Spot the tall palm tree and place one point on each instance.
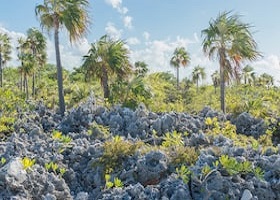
(215, 79)
(180, 57)
(38, 45)
(107, 58)
(229, 40)
(248, 74)
(70, 14)
(198, 74)
(5, 52)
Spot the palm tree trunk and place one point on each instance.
(59, 72)
(197, 85)
(21, 81)
(1, 71)
(177, 77)
(26, 86)
(104, 82)
(33, 84)
(222, 84)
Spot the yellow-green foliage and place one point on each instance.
(183, 173)
(27, 163)
(112, 183)
(231, 165)
(227, 129)
(178, 153)
(51, 166)
(57, 135)
(116, 150)
(3, 160)
(183, 155)
(99, 131)
(206, 170)
(173, 139)
(6, 124)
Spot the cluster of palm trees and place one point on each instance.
(5, 53)
(227, 39)
(32, 54)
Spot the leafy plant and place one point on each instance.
(56, 135)
(229, 164)
(99, 131)
(116, 150)
(183, 155)
(3, 160)
(184, 173)
(259, 173)
(206, 170)
(115, 183)
(27, 163)
(173, 139)
(53, 167)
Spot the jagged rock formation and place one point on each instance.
(149, 175)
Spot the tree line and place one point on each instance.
(227, 40)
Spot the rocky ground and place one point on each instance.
(78, 166)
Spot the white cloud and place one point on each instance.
(146, 35)
(269, 64)
(127, 20)
(157, 53)
(117, 4)
(112, 31)
(133, 41)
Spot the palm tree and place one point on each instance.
(248, 74)
(38, 48)
(266, 79)
(141, 68)
(180, 57)
(198, 74)
(229, 40)
(215, 79)
(27, 62)
(107, 58)
(5, 51)
(70, 14)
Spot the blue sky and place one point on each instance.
(154, 28)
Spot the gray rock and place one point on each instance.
(14, 171)
(82, 196)
(151, 168)
(247, 195)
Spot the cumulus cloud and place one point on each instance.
(112, 31)
(127, 20)
(133, 41)
(117, 4)
(157, 53)
(269, 64)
